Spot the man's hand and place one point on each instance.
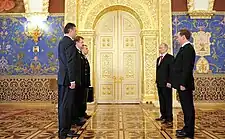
(168, 85)
(72, 85)
(182, 88)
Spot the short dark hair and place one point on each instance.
(186, 33)
(68, 27)
(78, 38)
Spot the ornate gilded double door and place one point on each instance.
(118, 58)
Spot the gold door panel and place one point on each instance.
(115, 28)
(118, 58)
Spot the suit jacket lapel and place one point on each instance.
(161, 60)
(180, 51)
(157, 63)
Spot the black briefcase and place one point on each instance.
(90, 94)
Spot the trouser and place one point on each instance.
(187, 104)
(65, 103)
(165, 102)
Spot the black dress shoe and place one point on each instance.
(82, 119)
(183, 134)
(169, 124)
(78, 122)
(64, 135)
(164, 121)
(72, 135)
(87, 116)
(160, 119)
(179, 131)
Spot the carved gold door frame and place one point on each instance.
(154, 17)
(117, 67)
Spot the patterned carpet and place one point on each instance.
(107, 122)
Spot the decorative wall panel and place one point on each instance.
(16, 49)
(27, 88)
(214, 29)
(209, 88)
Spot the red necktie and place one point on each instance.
(160, 59)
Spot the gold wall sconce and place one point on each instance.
(36, 13)
(200, 9)
(33, 31)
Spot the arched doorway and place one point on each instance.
(118, 58)
(154, 17)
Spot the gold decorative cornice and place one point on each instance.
(12, 14)
(62, 14)
(210, 74)
(87, 33)
(200, 14)
(28, 77)
(185, 13)
(23, 14)
(179, 13)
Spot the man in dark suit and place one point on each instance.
(79, 89)
(163, 69)
(87, 82)
(183, 81)
(67, 80)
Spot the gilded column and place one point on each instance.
(150, 44)
(70, 11)
(165, 23)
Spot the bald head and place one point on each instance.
(163, 48)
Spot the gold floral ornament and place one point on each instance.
(36, 13)
(200, 9)
(202, 65)
(202, 48)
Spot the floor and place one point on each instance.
(108, 122)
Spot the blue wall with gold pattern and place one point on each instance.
(17, 56)
(215, 26)
(16, 48)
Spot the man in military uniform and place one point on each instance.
(86, 83)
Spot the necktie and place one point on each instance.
(160, 59)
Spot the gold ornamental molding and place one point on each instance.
(28, 77)
(23, 14)
(148, 32)
(202, 47)
(154, 18)
(200, 12)
(35, 8)
(70, 11)
(115, 8)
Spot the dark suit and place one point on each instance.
(86, 85)
(182, 74)
(81, 95)
(165, 94)
(66, 74)
(78, 93)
